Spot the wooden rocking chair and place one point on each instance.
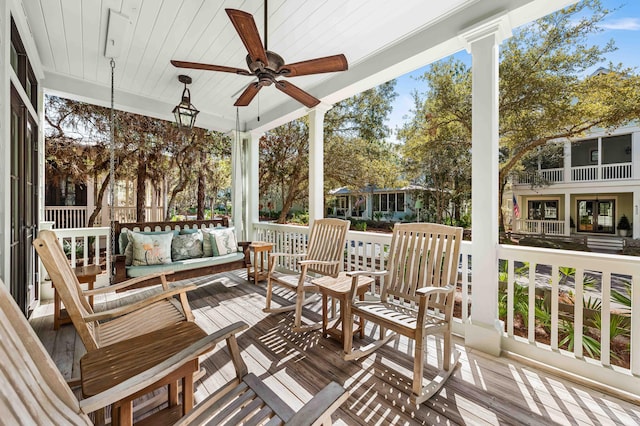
(140, 317)
(324, 257)
(33, 392)
(416, 298)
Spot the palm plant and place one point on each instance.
(590, 345)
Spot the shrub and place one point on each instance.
(623, 223)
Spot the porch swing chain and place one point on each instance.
(112, 162)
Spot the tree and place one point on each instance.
(78, 145)
(544, 94)
(355, 152)
(438, 152)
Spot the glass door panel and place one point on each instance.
(596, 216)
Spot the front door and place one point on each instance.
(596, 216)
(24, 180)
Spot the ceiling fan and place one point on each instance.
(267, 65)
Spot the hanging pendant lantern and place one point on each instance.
(185, 113)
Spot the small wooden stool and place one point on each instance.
(86, 275)
(339, 288)
(259, 269)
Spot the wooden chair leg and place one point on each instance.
(418, 365)
(269, 292)
(347, 328)
(297, 323)
(446, 361)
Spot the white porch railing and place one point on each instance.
(366, 250)
(619, 171)
(547, 227)
(616, 171)
(548, 175)
(67, 216)
(84, 245)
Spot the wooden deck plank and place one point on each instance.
(484, 389)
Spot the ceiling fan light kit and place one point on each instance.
(267, 66)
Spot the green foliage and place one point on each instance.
(623, 223)
(623, 297)
(543, 96)
(361, 226)
(300, 218)
(590, 345)
(355, 153)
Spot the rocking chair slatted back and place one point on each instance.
(416, 301)
(32, 390)
(420, 258)
(147, 314)
(322, 245)
(67, 286)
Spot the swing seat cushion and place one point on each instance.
(182, 265)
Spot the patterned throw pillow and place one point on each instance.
(187, 246)
(151, 249)
(208, 248)
(225, 240)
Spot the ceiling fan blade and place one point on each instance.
(247, 96)
(316, 66)
(208, 67)
(248, 32)
(297, 93)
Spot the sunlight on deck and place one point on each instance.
(483, 390)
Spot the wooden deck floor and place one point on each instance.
(484, 389)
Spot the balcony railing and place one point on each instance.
(557, 275)
(547, 227)
(67, 216)
(604, 172)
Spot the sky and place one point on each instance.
(622, 25)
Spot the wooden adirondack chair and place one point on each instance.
(324, 257)
(144, 316)
(416, 299)
(33, 392)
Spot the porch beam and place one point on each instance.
(316, 162)
(484, 330)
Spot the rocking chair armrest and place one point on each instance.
(368, 273)
(274, 255)
(123, 310)
(318, 262)
(150, 376)
(428, 291)
(321, 405)
(125, 284)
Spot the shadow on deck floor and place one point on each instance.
(483, 390)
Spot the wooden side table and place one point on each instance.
(86, 275)
(110, 365)
(259, 268)
(338, 288)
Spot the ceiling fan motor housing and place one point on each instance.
(275, 62)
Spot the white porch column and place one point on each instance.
(237, 183)
(567, 213)
(483, 330)
(567, 161)
(636, 214)
(316, 162)
(253, 185)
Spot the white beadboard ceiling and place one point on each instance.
(380, 38)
